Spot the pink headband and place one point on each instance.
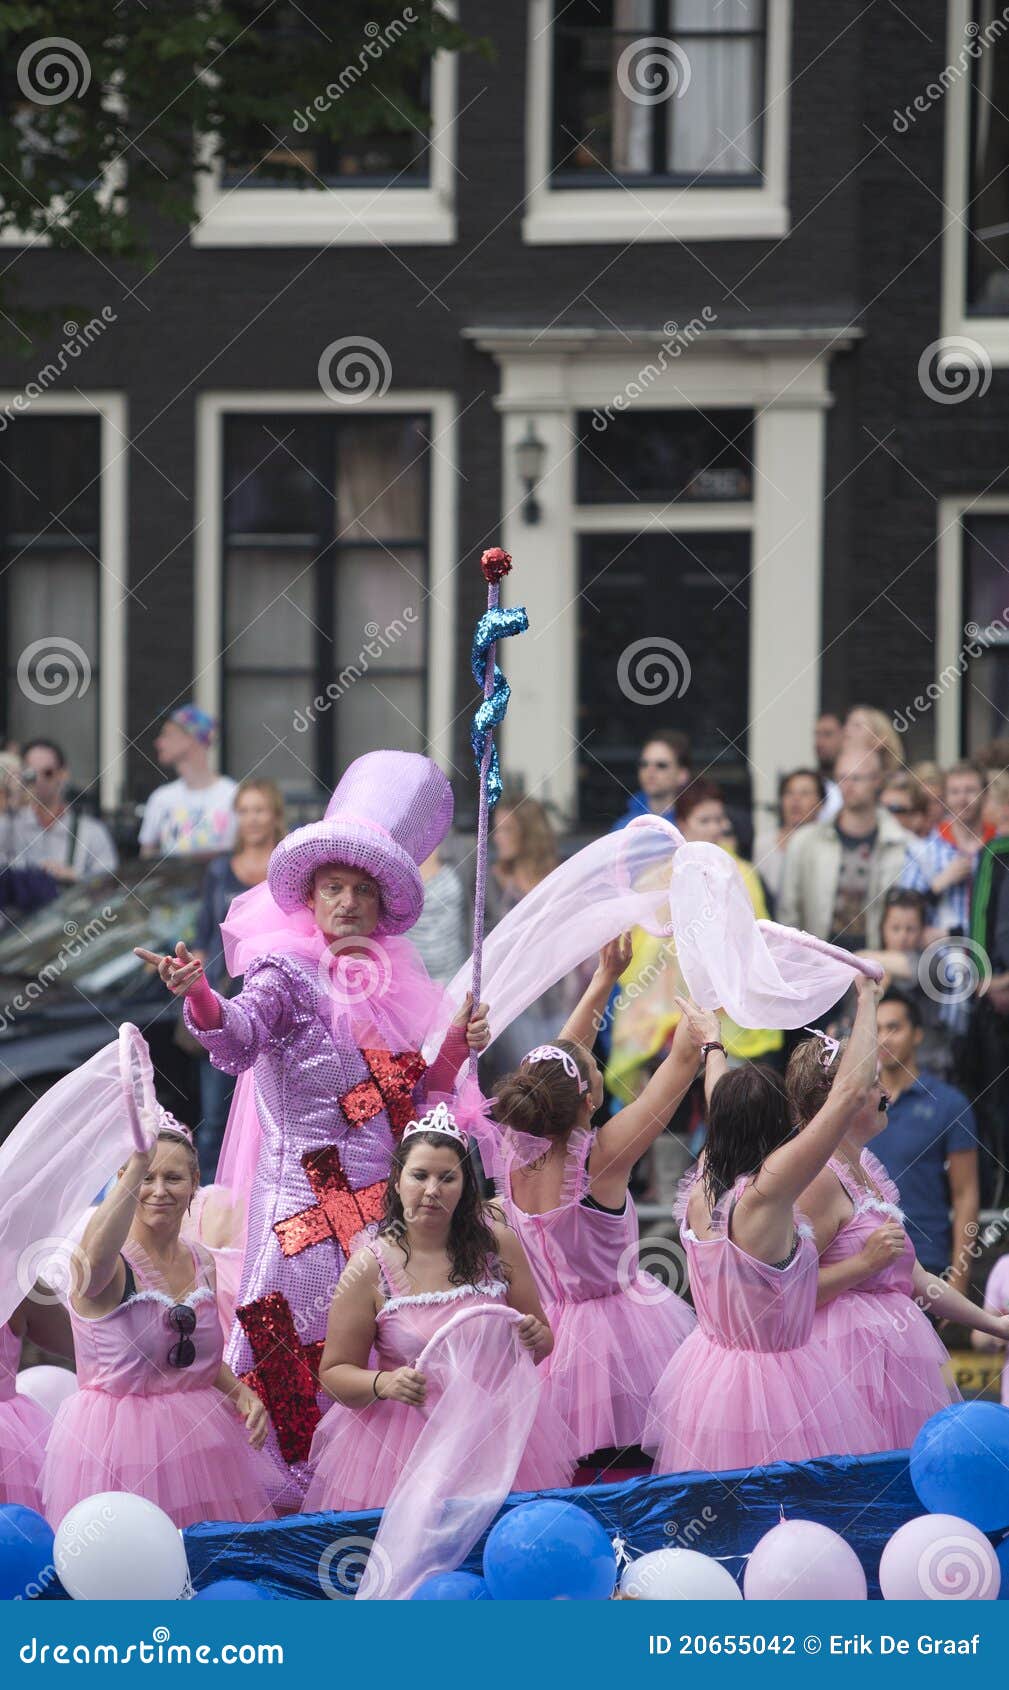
(551, 1053)
(830, 1046)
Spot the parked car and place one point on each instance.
(68, 979)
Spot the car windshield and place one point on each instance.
(86, 935)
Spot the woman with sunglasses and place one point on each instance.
(156, 1412)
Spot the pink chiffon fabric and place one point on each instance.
(614, 1326)
(138, 1424)
(468, 1455)
(359, 1454)
(751, 1385)
(61, 1154)
(885, 1351)
(24, 1431)
(218, 1210)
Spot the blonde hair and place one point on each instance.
(537, 840)
(808, 1079)
(881, 732)
(270, 791)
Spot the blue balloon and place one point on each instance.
(452, 1587)
(542, 1550)
(26, 1553)
(1002, 1551)
(233, 1590)
(960, 1464)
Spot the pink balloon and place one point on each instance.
(940, 1558)
(48, 1386)
(800, 1561)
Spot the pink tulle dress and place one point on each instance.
(614, 1326)
(138, 1424)
(751, 1385)
(359, 1453)
(24, 1429)
(885, 1351)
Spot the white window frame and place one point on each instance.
(397, 215)
(211, 408)
(950, 634)
(556, 216)
(547, 377)
(992, 333)
(113, 586)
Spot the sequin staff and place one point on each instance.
(495, 624)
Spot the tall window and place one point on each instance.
(656, 91)
(325, 574)
(985, 689)
(988, 200)
(49, 583)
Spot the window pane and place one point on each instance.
(270, 610)
(986, 604)
(54, 592)
(381, 479)
(661, 455)
(275, 476)
(262, 710)
(53, 600)
(988, 211)
(388, 712)
(380, 600)
(715, 125)
(52, 470)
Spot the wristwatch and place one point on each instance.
(713, 1044)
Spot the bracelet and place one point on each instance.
(374, 1385)
(714, 1044)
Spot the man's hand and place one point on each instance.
(180, 972)
(475, 1022)
(614, 959)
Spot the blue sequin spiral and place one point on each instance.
(493, 625)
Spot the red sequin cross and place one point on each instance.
(339, 1213)
(285, 1372)
(390, 1088)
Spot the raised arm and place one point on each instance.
(789, 1169)
(99, 1268)
(233, 1030)
(585, 1020)
(626, 1137)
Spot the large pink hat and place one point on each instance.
(389, 812)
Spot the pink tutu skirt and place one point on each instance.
(359, 1453)
(717, 1409)
(24, 1430)
(889, 1358)
(609, 1354)
(188, 1451)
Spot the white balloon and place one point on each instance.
(939, 1558)
(48, 1386)
(679, 1575)
(120, 1548)
(802, 1561)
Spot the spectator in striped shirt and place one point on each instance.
(942, 866)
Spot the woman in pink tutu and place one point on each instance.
(436, 1251)
(885, 1352)
(752, 1385)
(155, 1413)
(565, 1192)
(25, 1424)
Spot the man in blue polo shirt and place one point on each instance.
(929, 1146)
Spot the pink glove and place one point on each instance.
(204, 1006)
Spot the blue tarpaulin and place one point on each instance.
(862, 1498)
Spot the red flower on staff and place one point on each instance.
(495, 564)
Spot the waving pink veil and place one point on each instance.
(484, 1395)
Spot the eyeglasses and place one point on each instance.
(652, 763)
(899, 809)
(182, 1319)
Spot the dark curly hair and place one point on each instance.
(472, 1246)
(748, 1117)
(543, 1100)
